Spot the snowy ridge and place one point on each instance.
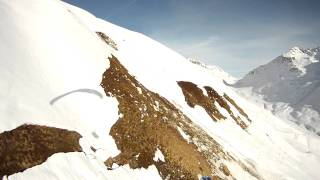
(290, 86)
(216, 71)
(302, 57)
(52, 65)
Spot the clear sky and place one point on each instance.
(237, 35)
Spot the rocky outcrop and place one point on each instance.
(149, 123)
(209, 101)
(31, 145)
(107, 40)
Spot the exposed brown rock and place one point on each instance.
(31, 145)
(241, 111)
(107, 40)
(149, 122)
(239, 121)
(225, 169)
(195, 96)
(214, 96)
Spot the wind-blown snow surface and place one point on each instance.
(216, 71)
(50, 48)
(290, 86)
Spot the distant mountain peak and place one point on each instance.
(298, 58)
(291, 79)
(298, 52)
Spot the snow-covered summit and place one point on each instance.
(298, 51)
(291, 83)
(300, 58)
(289, 65)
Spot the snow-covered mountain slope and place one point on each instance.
(216, 71)
(103, 102)
(290, 86)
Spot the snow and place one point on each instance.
(78, 166)
(215, 70)
(184, 135)
(158, 156)
(50, 49)
(302, 57)
(38, 66)
(267, 147)
(289, 86)
(139, 90)
(48, 53)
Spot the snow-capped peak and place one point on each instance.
(299, 58)
(297, 51)
(290, 65)
(291, 84)
(293, 52)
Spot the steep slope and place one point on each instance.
(290, 85)
(216, 71)
(122, 94)
(149, 122)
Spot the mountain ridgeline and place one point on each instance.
(290, 86)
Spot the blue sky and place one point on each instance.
(237, 35)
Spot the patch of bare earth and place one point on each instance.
(195, 96)
(149, 122)
(31, 145)
(107, 40)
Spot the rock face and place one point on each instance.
(195, 96)
(31, 145)
(148, 122)
(107, 40)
